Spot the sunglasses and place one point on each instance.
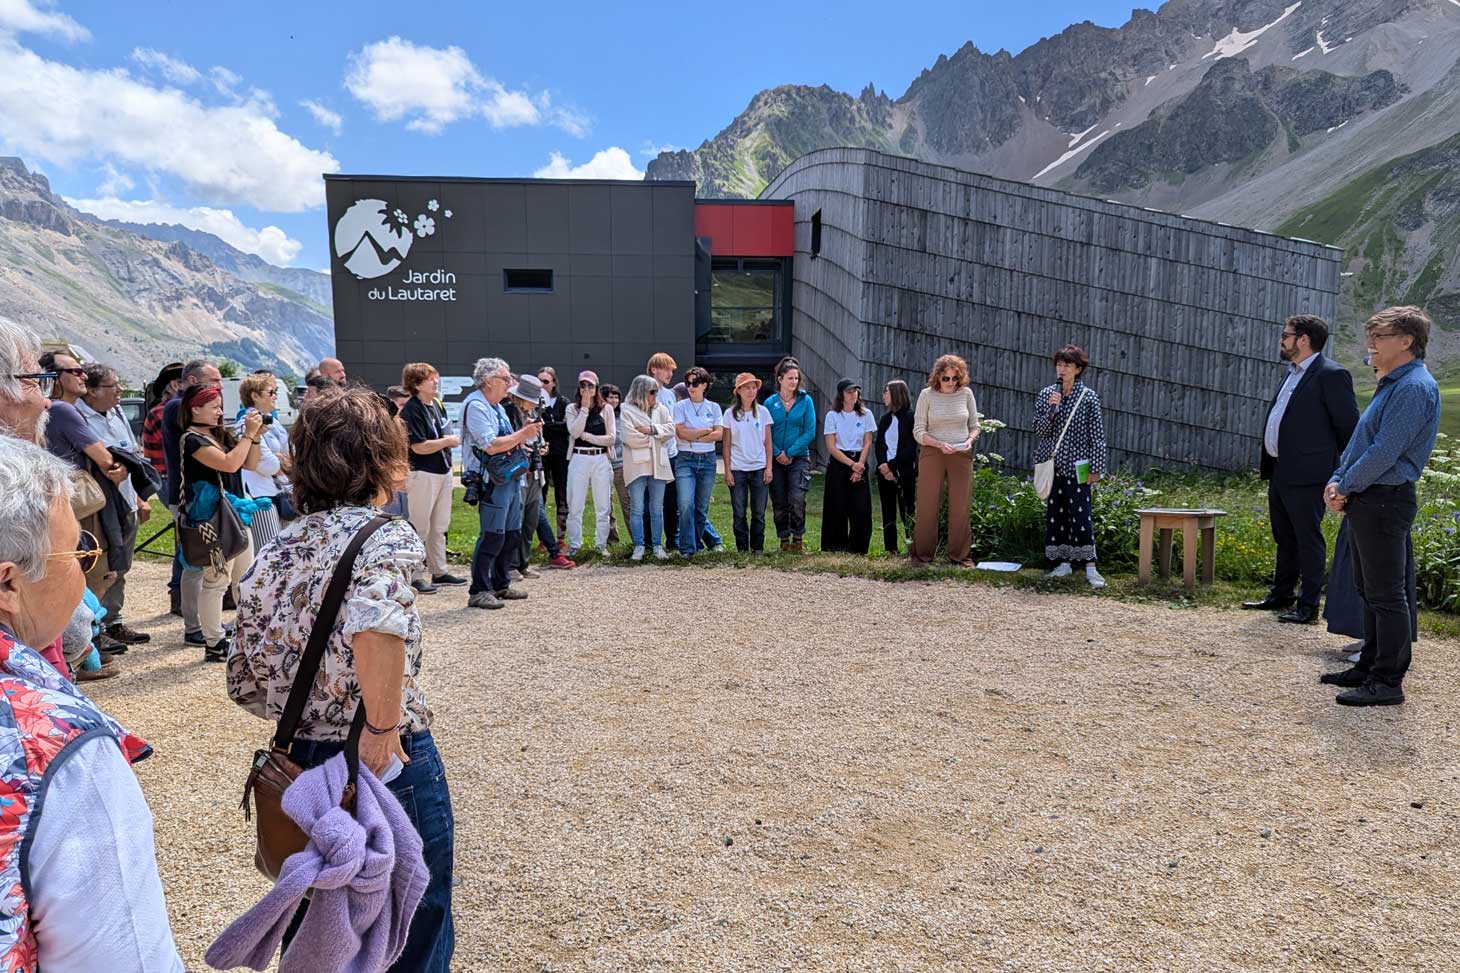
(694, 384)
(588, 385)
(87, 554)
(947, 378)
(44, 381)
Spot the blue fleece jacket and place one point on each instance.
(792, 432)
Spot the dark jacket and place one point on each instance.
(1316, 426)
(555, 429)
(905, 463)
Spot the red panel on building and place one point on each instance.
(747, 229)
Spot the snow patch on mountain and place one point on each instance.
(1237, 41)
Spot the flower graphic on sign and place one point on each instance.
(433, 206)
(400, 216)
(448, 214)
(425, 226)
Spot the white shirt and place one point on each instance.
(1285, 395)
(747, 438)
(890, 438)
(114, 430)
(849, 428)
(96, 898)
(665, 397)
(697, 415)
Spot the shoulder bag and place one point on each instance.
(215, 541)
(277, 836)
(1044, 472)
(505, 467)
(87, 497)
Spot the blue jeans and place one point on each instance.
(752, 489)
(654, 489)
(499, 514)
(694, 480)
(422, 791)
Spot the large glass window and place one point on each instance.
(745, 303)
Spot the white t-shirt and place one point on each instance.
(747, 438)
(697, 415)
(890, 438)
(849, 428)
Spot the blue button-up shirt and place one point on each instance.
(481, 422)
(1285, 394)
(1395, 435)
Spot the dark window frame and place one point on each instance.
(815, 234)
(772, 268)
(531, 284)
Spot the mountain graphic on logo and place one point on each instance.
(368, 242)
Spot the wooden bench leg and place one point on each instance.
(1209, 555)
(1166, 534)
(1143, 564)
(1189, 553)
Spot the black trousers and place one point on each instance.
(846, 511)
(1380, 519)
(899, 498)
(555, 477)
(1296, 514)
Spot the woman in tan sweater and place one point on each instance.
(945, 424)
(646, 428)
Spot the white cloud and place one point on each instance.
(651, 151)
(223, 79)
(271, 243)
(171, 68)
(225, 154)
(612, 163)
(116, 181)
(22, 16)
(329, 119)
(432, 87)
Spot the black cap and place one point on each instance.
(845, 384)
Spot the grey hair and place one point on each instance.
(18, 351)
(97, 374)
(488, 368)
(643, 392)
(31, 481)
(194, 370)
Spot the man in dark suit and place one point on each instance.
(1308, 426)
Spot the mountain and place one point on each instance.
(137, 302)
(309, 284)
(1243, 111)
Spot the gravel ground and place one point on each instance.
(838, 774)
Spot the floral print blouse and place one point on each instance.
(1086, 438)
(279, 598)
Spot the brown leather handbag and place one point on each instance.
(273, 771)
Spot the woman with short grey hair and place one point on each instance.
(24, 393)
(85, 894)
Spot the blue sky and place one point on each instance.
(158, 112)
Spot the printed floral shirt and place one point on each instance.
(1086, 438)
(280, 596)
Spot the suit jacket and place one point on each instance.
(906, 460)
(1316, 426)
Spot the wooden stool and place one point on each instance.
(1190, 521)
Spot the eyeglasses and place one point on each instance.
(43, 381)
(1290, 334)
(87, 554)
(108, 385)
(947, 378)
(1385, 334)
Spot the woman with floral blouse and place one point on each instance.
(349, 459)
(1069, 532)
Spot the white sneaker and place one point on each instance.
(1063, 571)
(638, 554)
(718, 549)
(603, 552)
(1355, 657)
(660, 553)
(1093, 577)
(572, 553)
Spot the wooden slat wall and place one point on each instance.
(1180, 317)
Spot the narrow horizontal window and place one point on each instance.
(527, 280)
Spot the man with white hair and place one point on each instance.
(79, 861)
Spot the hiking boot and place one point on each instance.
(785, 545)
(104, 672)
(528, 574)
(484, 599)
(512, 594)
(561, 563)
(105, 643)
(127, 636)
(798, 545)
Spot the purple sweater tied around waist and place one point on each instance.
(367, 873)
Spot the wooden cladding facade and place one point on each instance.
(1181, 318)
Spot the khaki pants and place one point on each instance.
(933, 467)
(430, 504)
(622, 489)
(210, 598)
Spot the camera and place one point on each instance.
(268, 419)
(472, 486)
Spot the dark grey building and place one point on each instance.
(573, 274)
(898, 261)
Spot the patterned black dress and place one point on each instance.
(1069, 524)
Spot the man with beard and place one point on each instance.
(1308, 426)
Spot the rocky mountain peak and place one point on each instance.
(25, 197)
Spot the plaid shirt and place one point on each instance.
(152, 439)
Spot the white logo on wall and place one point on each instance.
(372, 239)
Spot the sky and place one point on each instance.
(224, 117)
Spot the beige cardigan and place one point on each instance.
(646, 455)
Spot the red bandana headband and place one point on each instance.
(208, 394)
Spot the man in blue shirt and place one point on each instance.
(1374, 487)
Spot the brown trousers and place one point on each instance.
(933, 466)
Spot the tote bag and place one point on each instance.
(1044, 472)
